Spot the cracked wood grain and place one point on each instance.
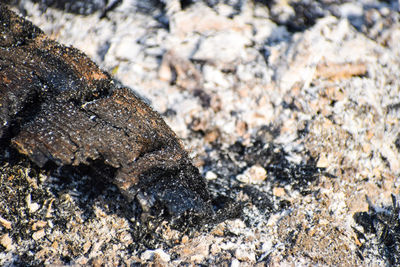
(57, 107)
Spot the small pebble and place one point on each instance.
(150, 254)
(32, 206)
(322, 162)
(235, 263)
(5, 223)
(38, 234)
(278, 191)
(185, 239)
(6, 241)
(86, 247)
(253, 175)
(245, 255)
(197, 258)
(39, 224)
(219, 230)
(211, 175)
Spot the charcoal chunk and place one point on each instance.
(59, 109)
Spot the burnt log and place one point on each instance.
(59, 109)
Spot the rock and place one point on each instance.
(278, 191)
(253, 175)
(196, 249)
(127, 49)
(39, 224)
(223, 48)
(322, 162)
(5, 223)
(314, 54)
(203, 19)
(243, 254)
(38, 234)
(211, 175)
(32, 206)
(235, 263)
(180, 71)
(6, 241)
(151, 254)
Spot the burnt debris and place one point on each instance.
(228, 163)
(83, 7)
(61, 111)
(381, 231)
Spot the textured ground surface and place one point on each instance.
(264, 97)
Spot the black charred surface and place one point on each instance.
(262, 151)
(60, 110)
(83, 7)
(397, 143)
(305, 15)
(273, 158)
(383, 224)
